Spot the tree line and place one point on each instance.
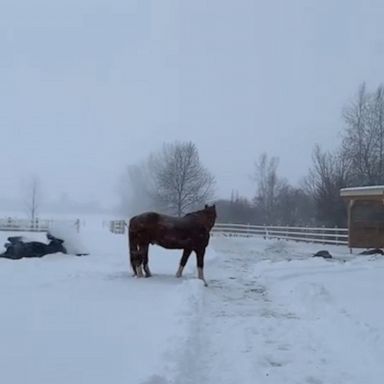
(173, 180)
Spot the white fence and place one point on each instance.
(117, 226)
(307, 234)
(37, 225)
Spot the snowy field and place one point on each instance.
(271, 314)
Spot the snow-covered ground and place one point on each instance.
(271, 314)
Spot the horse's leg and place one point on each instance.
(200, 264)
(132, 251)
(183, 261)
(139, 262)
(144, 253)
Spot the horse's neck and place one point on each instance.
(201, 218)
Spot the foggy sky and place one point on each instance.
(90, 86)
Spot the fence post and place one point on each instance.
(77, 224)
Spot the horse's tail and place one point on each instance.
(132, 248)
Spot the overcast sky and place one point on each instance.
(90, 86)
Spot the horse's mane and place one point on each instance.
(196, 213)
(193, 213)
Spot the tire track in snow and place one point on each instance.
(226, 342)
(241, 332)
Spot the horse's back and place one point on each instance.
(155, 225)
(143, 220)
(149, 219)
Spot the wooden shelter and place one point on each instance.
(365, 216)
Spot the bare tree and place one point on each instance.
(363, 139)
(358, 161)
(180, 182)
(327, 176)
(32, 193)
(378, 128)
(268, 186)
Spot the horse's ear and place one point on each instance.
(206, 206)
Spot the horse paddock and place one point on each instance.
(271, 313)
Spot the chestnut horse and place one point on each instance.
(190, 233)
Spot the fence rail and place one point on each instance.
(37, 225)
(117, 226)
(306, 234)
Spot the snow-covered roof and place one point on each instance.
(372, 190)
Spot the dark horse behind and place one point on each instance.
(17, 248)
(190, 233)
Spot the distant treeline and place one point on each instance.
(174, 180)
(358, 161)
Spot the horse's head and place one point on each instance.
(210, 214)
(205, 217)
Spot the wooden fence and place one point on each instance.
(306, 234)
